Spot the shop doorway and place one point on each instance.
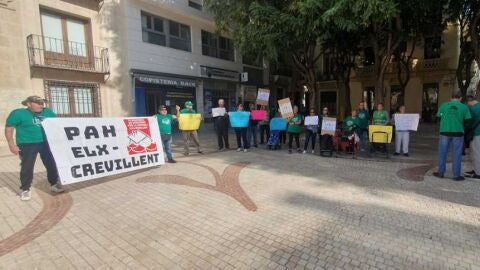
(168, 97)
(430, 102)
(329, 99)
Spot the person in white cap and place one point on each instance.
(30, 141)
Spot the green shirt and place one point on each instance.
(475, 112)
(452, 116)
(363, 117)
(187, 111)
(292, 126)
(27, 124)
(350, 123)
(380, 117)
(165, 123)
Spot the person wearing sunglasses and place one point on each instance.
(310, 133)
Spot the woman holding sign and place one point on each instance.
(311, 123)
(402, 137)
(241, 133)
(294, 130)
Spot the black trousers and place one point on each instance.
(28, 155)
(264, 129)
(222, 136)
(283, 136)
(241, 134)
(290, 139)
(310, 135)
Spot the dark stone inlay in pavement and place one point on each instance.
(54, 209)
(227, 183)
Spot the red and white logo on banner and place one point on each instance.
(139, 136)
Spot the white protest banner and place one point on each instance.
(88, 148)
(263, 96)
(329, 125)
(285, 108)
(406, 121)
(218, 112)
(311, 120)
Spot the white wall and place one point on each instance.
(157, 58)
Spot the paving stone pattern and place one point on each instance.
(255, 210)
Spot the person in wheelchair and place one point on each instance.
(350, 136)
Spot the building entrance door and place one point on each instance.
(430, 102)
(369, 98)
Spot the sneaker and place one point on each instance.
(313, 151)
(396, 154)
(245, 150)
(459, 178)
(299, 150)
(172, 161)
(200, 151)
(239, 149)
(256, 146)
(437, 174)
(469, 174)
(289, 151)
(57, 188)
(220, 149)
(25, 195)
(475, 176)
(304, 152)
(406, 155)
(186, 154)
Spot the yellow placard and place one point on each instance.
(380, 134)
(189, 121)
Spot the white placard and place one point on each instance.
(406, 121)
(263, 96)
(311, 120)
(89, 148)
(329, 125)
(218, 112)
(285, 108)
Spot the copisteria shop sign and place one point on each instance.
(167, 81)
(89, 148)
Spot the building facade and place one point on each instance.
(432, 78)
(94, 58)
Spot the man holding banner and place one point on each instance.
(189, 134)
(30, 141)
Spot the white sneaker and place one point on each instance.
(57, 188)
(304, 151)
(245, 150)
(239, 149)
(313, 151)
(25, 195)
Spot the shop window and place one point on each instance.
(72, 99)
(217, 46)
(159, 31)
(432, 47)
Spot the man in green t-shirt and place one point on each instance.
(474, 128)
(294, 130)
(30, 141)
(363, 118)
(189, 134)
(165, 121)
(453, 116)
(380, 116)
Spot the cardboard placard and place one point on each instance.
(380, 134)
(278, 123)
(329, 126)
(406, 121)
(258, 115)
(239, 119)
(189, 121)
(218, 112)
(285, 107)
(311, 120)
(263, 96)
(90, 148)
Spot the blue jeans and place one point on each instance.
(252, 133)
(167, 146)
(363, 136)
(443, 146)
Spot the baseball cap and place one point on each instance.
(188, 103)
(33, 99)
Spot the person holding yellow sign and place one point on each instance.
(188, 133)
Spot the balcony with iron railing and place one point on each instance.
(48, 52)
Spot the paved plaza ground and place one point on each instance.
(256, 210)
